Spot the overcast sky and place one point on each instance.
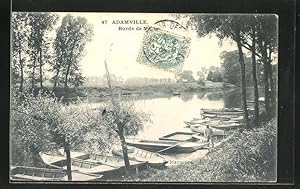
(204, 52)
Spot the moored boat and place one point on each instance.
(137, 154)
(222, 110)
(114, 161)
(166, 146)
(23, 173)
(59, 161)
(201, 129)
(206, 115)
(227, 125)
(178, 136)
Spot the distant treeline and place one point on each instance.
(99, 81)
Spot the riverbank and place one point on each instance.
(159, 90)
(248, 156)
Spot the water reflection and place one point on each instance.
(215, 95)
(186, 96)
(201, 95)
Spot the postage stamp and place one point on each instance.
(164, 50)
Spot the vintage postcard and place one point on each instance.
(143, 97)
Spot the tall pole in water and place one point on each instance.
(108, 78)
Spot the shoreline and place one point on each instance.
(142, 92)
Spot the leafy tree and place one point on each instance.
(201, 76)
(260, 38)
(253, 29)
(69, 45)
(214, 74)
(186, 75)
(20, 30)
(267, 45)
(39, 121)
(123, 119)
(40, 26)
(204, 70)
(231, 68)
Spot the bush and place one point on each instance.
(40, 122)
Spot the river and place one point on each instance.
(169, 113)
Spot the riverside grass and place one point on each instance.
(249, 156)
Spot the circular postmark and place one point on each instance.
(164, 46)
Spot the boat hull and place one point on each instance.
(201, 129)
(175, 147)
(22, 173)
(178, 136)
(136, 154)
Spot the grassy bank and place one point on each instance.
(248, 156)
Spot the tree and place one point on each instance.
(201, 76)
(226, 26)
(40, 26)
(260, 37)
(254, 74)
(71, 38)
(204, 70)
(214, 74)
(267, 44)
(231, 68)
(20, 30)
(38, 121)
(124, 120)
(186, 75)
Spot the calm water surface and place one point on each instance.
(169, 113)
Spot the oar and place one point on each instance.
(170, 147)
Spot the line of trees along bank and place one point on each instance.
(35, 51)
(256, 33)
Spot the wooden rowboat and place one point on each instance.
(233, 110)
(222, 113)
(114, 161)
(170, 146)
(82, 166)
(227, 125)
(205, 115)
(222, 110)
(137, 154)
(178, 136)
(108, 166)
(22, 173)
(201, 129)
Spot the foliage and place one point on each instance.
(231, 67)
(123, 118)
(214, 74)
(201, 75)
(34, 50)
(38, 44)
(69, 45)
(42, 122)
(248, 156)
(186, 76)
(20, 30)
(29, 125)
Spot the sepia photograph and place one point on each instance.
(143, 97)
